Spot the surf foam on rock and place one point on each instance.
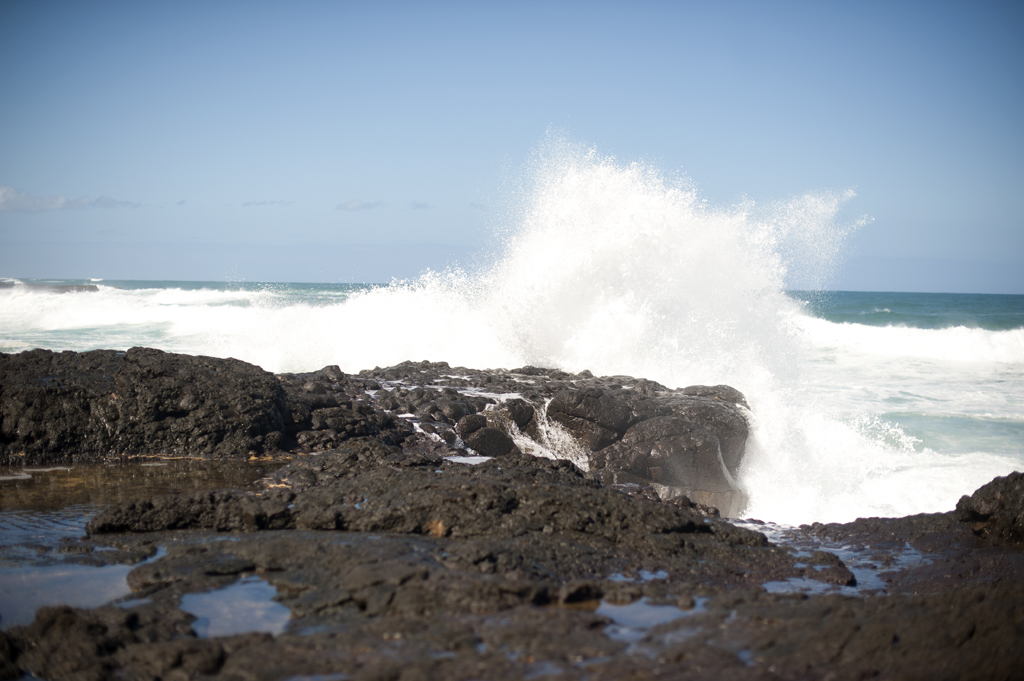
(615, 268)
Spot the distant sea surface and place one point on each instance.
(862, 403)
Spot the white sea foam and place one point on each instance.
(956, 344)
(614, 268)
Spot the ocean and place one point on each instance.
(862, 404)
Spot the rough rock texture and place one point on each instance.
(396, 562)
(85, 406)
(670, 451)
(996, 510)
(403, 565)
(64, 643)
(69, 406)
(594, 417)
(366, 486)
(490, 442)
(687, 442)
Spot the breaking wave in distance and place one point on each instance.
(615, 268)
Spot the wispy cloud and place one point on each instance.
(266, 203)
(104, 202)
(360, 205)
(418, 205)
(13, 200)
(479, 206)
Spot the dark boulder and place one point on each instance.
(470, 424)
(678, 455)
(724, 393)
(8, 669)
(79, 406)
(996, 510)
(453, 410)
(592, 415)
(490, 442)
(328, 407)
(313, 400)
(723, 419)
(520, 411)
(689, 442)
(68, 643)
(670, 451)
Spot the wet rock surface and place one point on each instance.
(395, 561)
(522, 568)
(67, 407)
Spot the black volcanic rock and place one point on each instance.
(490, 442)
(670, 451)
(397, 564)
(470, 424)
(724, 393)
(79, 406)
(724, 420)
(691, 441)
(996, 510)
(366, 486)
(591, 415)
(520, 411)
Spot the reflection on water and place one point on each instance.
(39, 530)
(245, 606)
(23, 590)
(48, 489)
(44, 511)
(632, 621)
(867, 563)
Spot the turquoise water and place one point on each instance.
(916, 310)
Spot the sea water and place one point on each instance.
(862, 404)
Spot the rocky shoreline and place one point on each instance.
(70, 407)
(418, 527)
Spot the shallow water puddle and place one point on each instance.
(43, 513)
(41, 509)
(244, 607)
(862, 562)
(539, 670)
(30, 528)
(867, 563)
(632, 621)
(808, 585)
(24, 590)
(643, 576)
(99, 484)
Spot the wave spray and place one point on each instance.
(615, 268)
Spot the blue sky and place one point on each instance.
(359, 142)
